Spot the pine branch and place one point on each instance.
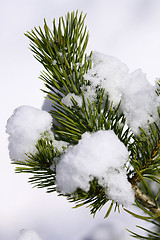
(145, 159)
(151, 235)
(62, 53)
(39, 165)
(144, 154)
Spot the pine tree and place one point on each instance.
(62, 52)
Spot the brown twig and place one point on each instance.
(146, 201)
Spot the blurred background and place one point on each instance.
(127, 29)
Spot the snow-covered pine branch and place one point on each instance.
(100, 142)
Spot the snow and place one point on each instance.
(67, 99)
(107, 72)
(89, 93)
(138, 98)
(28, 235)
(54, 62)
(25, 127)
(133, 35)
(102, 155)
(59, 145)
(98, 155)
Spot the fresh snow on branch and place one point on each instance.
(68, 102)
(101, 155)
(25, 127)
(138, 98)
(88, 91)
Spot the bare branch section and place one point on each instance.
(146, 201)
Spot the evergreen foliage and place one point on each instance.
(62, 53)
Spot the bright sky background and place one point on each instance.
(127, 29)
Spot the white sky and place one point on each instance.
(127, 29)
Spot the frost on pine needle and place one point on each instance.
(54, 62)
(138, 98)
(25, 127)
(68, 102)
(59, 145)
(88, 91)
(98, 155)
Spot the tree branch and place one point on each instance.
(146, 201)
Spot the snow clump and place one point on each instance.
(138, 98)
(139, 101)
(28, 235)
(98, 155)
(25, 127)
